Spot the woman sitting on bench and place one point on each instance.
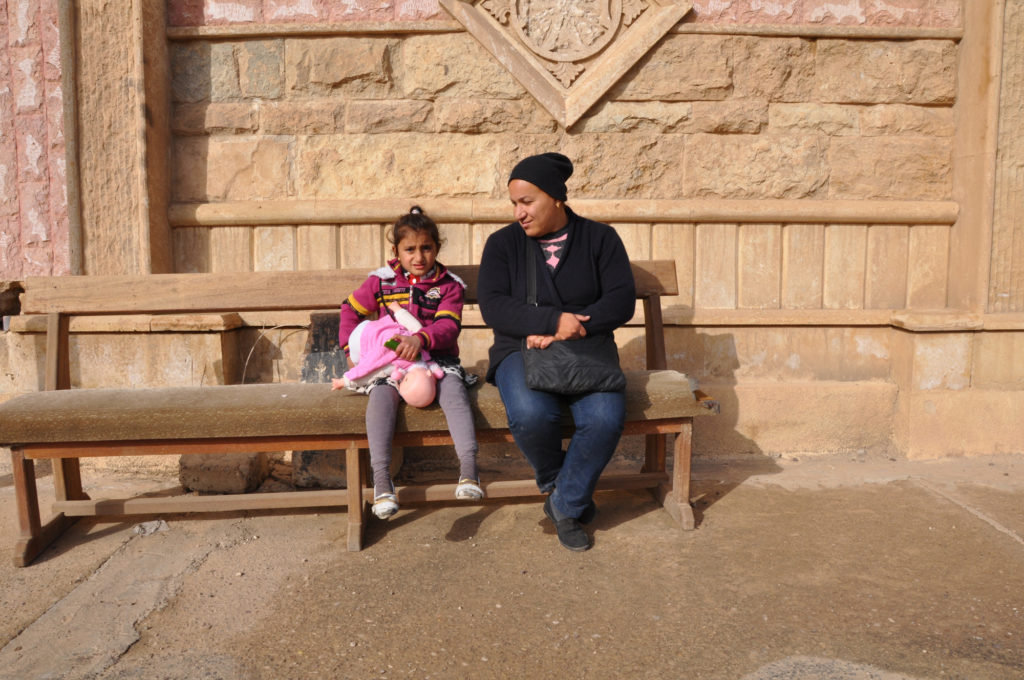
(583, 287)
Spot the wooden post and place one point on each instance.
(26, 498)
(655, 453)
(354, 482)
(681, 473)
(58, 362)
(67, 480)
(654, 330)
(67, 476)
(676, 498)
(656, 445)
(33, 536)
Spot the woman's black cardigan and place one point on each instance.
(593, 277)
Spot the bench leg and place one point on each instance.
(33, 535)
(67, 480)
(654, 453)
(676, 497)
(356, 511)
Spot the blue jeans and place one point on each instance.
(535, 419)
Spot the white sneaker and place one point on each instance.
(385, 505)
(469, 490)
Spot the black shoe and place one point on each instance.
(570, 534)
(588, 514)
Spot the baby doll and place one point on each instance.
(371, 347)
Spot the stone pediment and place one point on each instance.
(567, 53)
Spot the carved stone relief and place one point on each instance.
(567, 53)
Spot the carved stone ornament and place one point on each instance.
(567, 53)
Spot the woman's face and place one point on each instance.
(416, 252)
(537, 212)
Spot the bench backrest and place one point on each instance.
(250, 291)
(62, 297)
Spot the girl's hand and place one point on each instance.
(409, 347)
(539, 341)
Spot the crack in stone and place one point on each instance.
(974, 511)
(98, 621)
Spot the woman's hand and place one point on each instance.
(409, 347)
(570, 326)
(539, 341)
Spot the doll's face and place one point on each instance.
(417, 387)
(416, 252)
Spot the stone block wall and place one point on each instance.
(700, 117)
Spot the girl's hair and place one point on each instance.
(414, 221)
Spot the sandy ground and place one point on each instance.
(822, 568)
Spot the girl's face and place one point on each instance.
(416, 252)
(535, 211)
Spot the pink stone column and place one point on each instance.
(33, 194)
(10, 225)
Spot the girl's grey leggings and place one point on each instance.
(382, 410)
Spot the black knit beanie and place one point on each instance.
(547, 171)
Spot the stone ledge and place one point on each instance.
(825, 31)
(325, 29)
(937, 321)
(1012, 321)
(486, 210)
(134, 323)
(932, 321)
(683, 316)
(239, 31)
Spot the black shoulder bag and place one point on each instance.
(589, 364)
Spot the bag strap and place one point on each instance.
(531, 276)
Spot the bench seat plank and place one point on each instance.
(293, 410)
(67, 451)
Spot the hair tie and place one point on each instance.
(415, 211)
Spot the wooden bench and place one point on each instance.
(64, 424)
